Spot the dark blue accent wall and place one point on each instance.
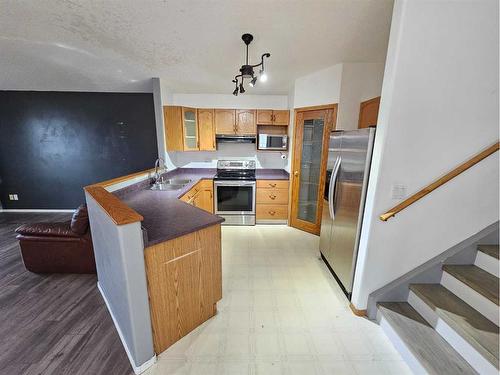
(52, 144)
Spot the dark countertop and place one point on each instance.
(271, 174)
(165, 216)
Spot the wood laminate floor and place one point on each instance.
(54, 323)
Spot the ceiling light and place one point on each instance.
(263, 76)
(246, 71)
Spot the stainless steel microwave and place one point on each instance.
(277, 142)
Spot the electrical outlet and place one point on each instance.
(398, 191)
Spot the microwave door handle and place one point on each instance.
(333, 182)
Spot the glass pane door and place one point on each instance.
(190, 129)
(310, 169)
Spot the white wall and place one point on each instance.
(208, 159)
(360, 82)
(439, 107)
(318, 88)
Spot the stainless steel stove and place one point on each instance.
(235, 191)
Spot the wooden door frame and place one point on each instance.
(331, 123)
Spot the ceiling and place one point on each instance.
(194, 46)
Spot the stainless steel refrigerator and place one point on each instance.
(348, 169)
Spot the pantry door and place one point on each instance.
(312, 130)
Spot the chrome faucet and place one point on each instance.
(158, 163)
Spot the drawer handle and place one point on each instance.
(272, 212)
(273, 197)
(272, 185)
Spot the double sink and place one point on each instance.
(170, 184)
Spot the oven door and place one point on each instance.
(234, 197)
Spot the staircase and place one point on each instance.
(451, 327)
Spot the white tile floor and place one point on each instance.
(281, 313)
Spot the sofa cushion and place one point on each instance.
(47, 229)
(80, 220)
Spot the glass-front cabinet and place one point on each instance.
(190, 129)
(311, 151)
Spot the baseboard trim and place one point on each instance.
(357, 312)
(34, 210)
(137, 369)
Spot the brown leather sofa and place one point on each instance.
(64, 247)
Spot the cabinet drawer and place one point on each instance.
(272, 196)
(272, 184)
(272, 211)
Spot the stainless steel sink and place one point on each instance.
(176, 181)
(170, 184)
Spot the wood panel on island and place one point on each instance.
(194, 129)
(272, 201)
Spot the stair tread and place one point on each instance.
(491, 250)
(470, 324)
(476, 278)
(431, 350)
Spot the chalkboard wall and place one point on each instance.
(52, 144)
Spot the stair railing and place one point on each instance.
(441, 181)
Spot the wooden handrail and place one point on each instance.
(441, 181)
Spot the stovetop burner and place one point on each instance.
(235, 170)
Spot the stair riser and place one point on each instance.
(400, 346)
(487, 263)
(468, 352)
(471, 297)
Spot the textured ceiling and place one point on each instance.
(194, 46)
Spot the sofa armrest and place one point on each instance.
(47, 230)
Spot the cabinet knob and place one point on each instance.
(272, 213)
(272, 185)
(273, 197)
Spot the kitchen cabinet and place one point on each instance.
(272, 201)
(273, 117)
(174, 140)
(368, 113)
(206, 129)
(190, 129)
(245, 122)
(184, 279)
(225, 121)
(201, 195)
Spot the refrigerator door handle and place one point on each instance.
(333, 181)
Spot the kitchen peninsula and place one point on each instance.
(158, 256)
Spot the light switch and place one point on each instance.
(398, 191)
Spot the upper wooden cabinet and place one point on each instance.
(225, 121)
(173, 128)
(264, 116)
(273, 117)
(190, 129)
(368, 113)
(206, 129)
(245, 122)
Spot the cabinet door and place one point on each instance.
(368, 113)
(281, 118)
(225, 121)
(206, 200)
(264, 116)
(190, 129)
(172, 117)
(206, 131)
(245, 122)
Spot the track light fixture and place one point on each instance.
(246, 71)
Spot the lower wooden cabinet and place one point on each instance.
(201, 195)
(184, 277)
(272, 201)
